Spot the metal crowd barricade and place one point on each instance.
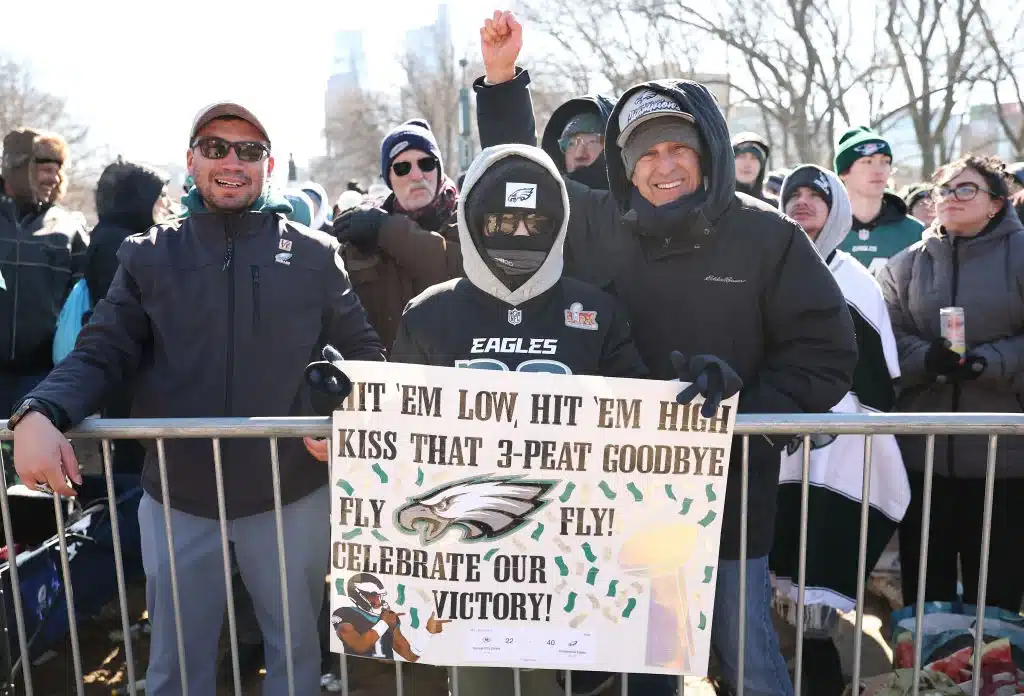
(928, 425)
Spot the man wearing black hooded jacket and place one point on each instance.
(701, 269)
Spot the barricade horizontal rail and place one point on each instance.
(747, 426)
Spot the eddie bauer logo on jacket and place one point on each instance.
(729, 280)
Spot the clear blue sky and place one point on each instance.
(137, 71)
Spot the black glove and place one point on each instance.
(361, 227)
(940, 360)
(328, 384)
(970, 369)
(711, 377)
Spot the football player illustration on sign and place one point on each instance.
(369, 628)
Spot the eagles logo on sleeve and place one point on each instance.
(485, 508)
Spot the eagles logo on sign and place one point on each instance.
(485, 507)
(515, 317)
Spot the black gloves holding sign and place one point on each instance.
(709, 376)
(360, 227)
(946, 365)
(328, 384)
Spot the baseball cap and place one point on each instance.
(220, 110)
(644, 105)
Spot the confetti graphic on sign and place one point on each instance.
(588, 552)
(419, 476)
(608, 615)
(708, 572)
(685, 510)
(351, 535)
(563, 569)
(708, 519)
(668, 491)
(345, 486)
(703, 622)
(571, 603)
(606, 489)
(378, 536)
(490, 554)
(538, 531)
(630, 606)
(561, 544)
(380, 472)
(613, 587)
(569, 488)
(709, 490)
(594, 600)
(401, 595)
(339, 585)
(592, 576)
(637, 495)
(578, 620)
(414, 617)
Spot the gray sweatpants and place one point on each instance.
(203, 594)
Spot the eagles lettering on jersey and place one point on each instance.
(523, 346)
(362, 622)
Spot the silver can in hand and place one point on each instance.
(951, 321)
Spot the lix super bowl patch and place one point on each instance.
(578, 318)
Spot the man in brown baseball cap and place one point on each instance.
(225, 110)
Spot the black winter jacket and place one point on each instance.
(41, 258)
(217, 315)
(739, 280)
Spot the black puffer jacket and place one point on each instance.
(738, 280)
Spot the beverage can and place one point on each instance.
(951, 321)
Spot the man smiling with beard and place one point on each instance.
(214, 315)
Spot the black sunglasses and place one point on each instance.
(212, 147)
(508, 223)
(426, 164)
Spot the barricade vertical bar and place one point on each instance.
(399, 687)
(922, 570)
(624, 679)
(862, 559)
(222, 516)
(986, 541)
(122, 595)
(744, 494)
(179, 631)
(12, 564)
(454, 679)
(568, 683)
(69, 596)
(805, 488)
(342, 658)
(275, 472)
(682, 684)
(517, 683)
(343, 673)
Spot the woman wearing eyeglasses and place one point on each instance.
(971, 257)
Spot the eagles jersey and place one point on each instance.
(572, 328)
(363, 622)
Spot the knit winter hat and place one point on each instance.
(586, 122)
(414, 134)
(810, 176)
(856, 143)
(915, 192)
(126, 193)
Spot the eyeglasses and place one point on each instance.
(215, 148)
(581, 140)
(508, 223)
(964, 192)
(425, 164)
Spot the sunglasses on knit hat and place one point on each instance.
(214, 148)
(496, 224)
(425, 164)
